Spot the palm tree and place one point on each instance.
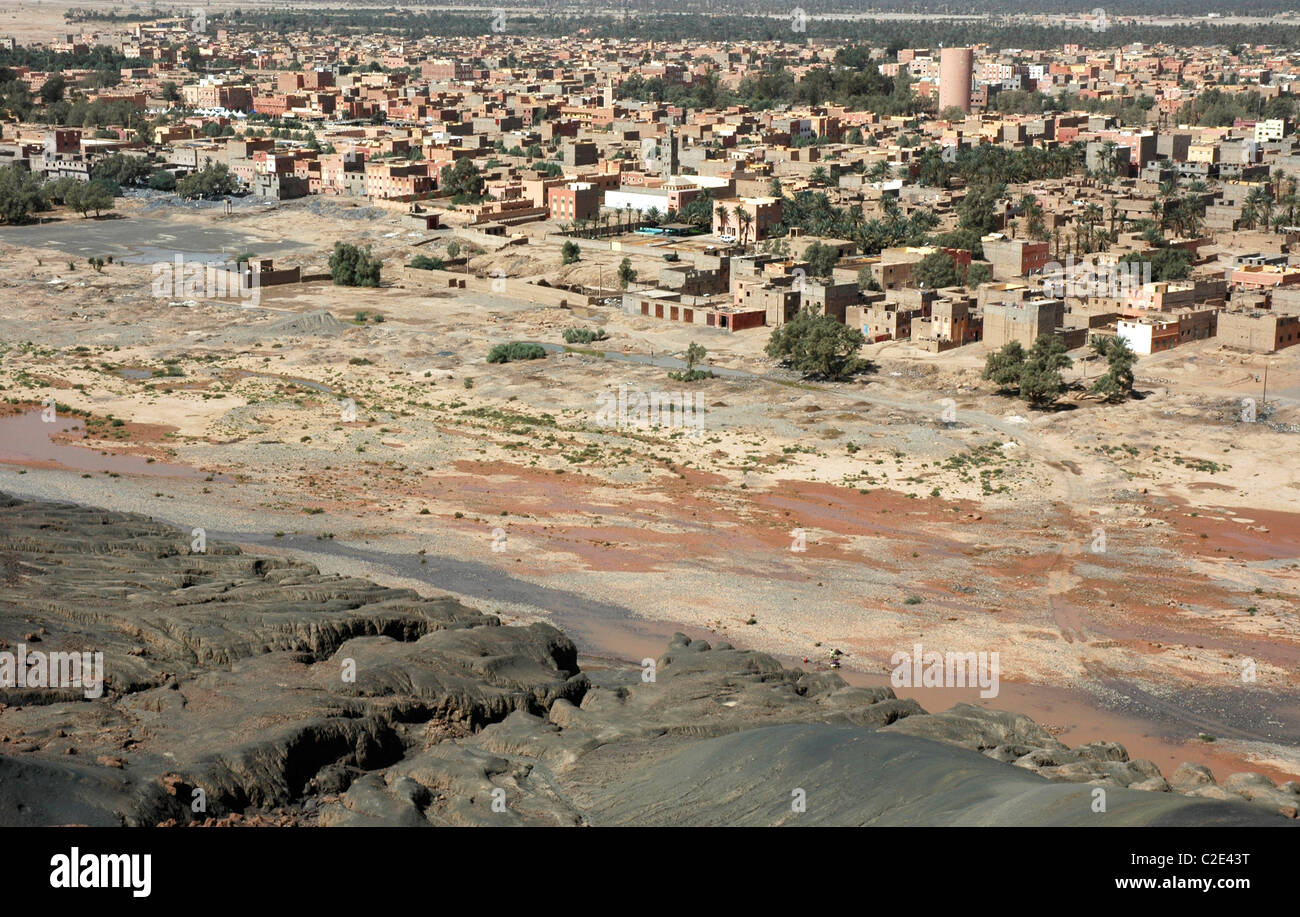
(1164, 202)
(746, 221)
(1091, 217)
(1032, 211)
(723, 215)
(1108, 170)
(1258, 207)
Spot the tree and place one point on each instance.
(979, 210)
(121, 169)
(453, 249)
(936, 270)
(867, 281)
(95, 195)
(463, 180)
(978, 273)
(21, 194)
(625, 273)
(52, 90)
(821, 259)
(209, 183)
(817, 346)
(570, 253)
(425, 263)
(351, 266)
(1258, 207)
(1166, 263)
(162, 180)
(746, 221)
(1116, 383)
(694, 354)
(1035, 226)
(1040, 378)
(1090, 217)
(1004, 366)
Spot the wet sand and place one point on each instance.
(28, 440)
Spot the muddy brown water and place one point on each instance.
(27, 439)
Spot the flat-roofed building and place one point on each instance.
(1175, 295)
(1148, 335)
(575, 201)
(1259, 331)
(1261, 276)
(1012, 258)
(1025, 321)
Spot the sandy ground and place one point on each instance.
(1134, 565)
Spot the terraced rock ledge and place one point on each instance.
(256, 690)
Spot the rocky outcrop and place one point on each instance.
(256, 690)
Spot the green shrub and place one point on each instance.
(584, 335)
(506, 353)
(425, 263)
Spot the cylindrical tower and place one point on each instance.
(955, 68)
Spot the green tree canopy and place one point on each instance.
(1116, 384)
(818, 346)
(351, 266)
(21, 195)
(821, 259)
(937, 270)
(209, 183)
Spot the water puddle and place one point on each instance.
(25, 439)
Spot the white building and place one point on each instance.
(1146, 336)
(1270, 129)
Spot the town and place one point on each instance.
(943, 220)
(599, 388)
